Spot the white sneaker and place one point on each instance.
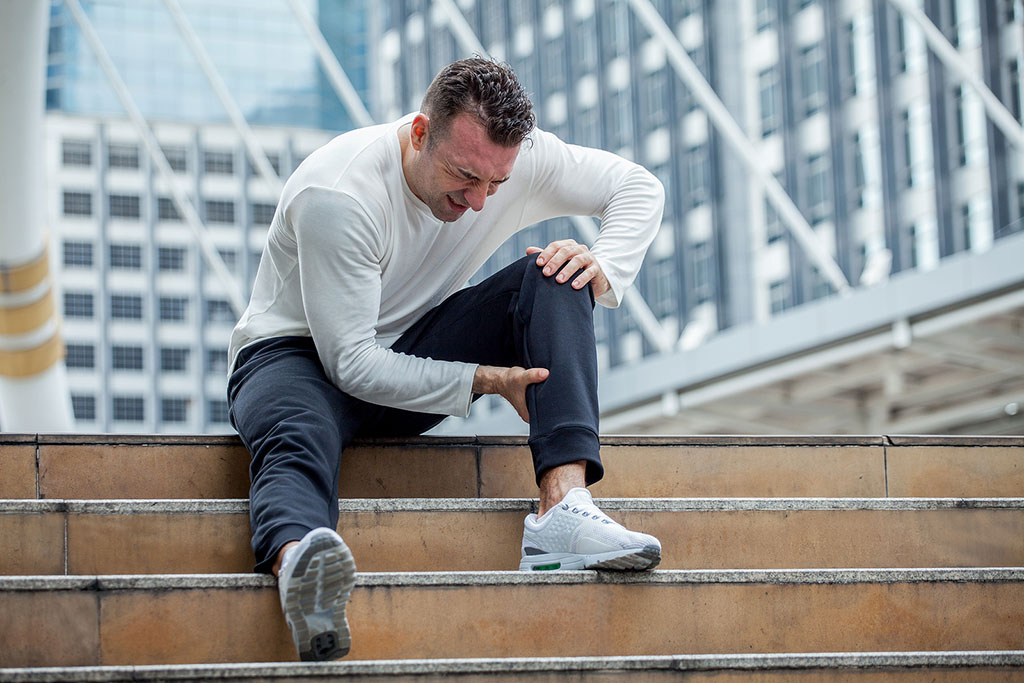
(575, 534)
(315, 581)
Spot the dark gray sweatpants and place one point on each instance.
(296, 423)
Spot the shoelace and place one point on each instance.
(588, 510)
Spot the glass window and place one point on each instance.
(129, 408)
(219, 311)
(78, 305)
(768, 86)
(696, 176)
(859, 175)
(76, 153)
(812, 78)
(177, 158)
(174, 359)
(126, 357)
(772, 223)
(701, 254)
(818, 195)
(765, 14)
(80, 356)
(126, 307)
(217, 361)
(77, 203)
(275, 163)
(965, 225)
(779, 296)
(655, 90)
(221, 161)
(217, 411)
(171, 258)
(220, 211)
(122, 156)
(263, 213)
(173, 308)
(230, 259)
(125, 206)
(83, 406)
(166, 210)
(174, 410)
(1014, 91)
(126, 256)
(961, 125)
(77, 254)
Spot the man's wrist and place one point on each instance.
(485, 379)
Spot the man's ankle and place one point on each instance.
(558, 481)
(280, 556)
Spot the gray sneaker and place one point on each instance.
(315, 581)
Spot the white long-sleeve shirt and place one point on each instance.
(354, 258)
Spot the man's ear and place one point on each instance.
(418, 132)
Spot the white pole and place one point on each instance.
(156, 154)
(33, 383)
(741, 144)
(955, 62)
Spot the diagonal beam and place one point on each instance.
(255, 149)
(332, 67)
(956, 63)
(632, 299)
(181, 201)
(741, 145)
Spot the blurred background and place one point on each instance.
(841, 251)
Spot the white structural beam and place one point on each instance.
(332, 67)
(955, 62)
(33, 381)
(632, 299)
(220, 88)
(178, 196)
(741, 145)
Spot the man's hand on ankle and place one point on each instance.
(510, 383)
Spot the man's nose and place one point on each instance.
(475, 197)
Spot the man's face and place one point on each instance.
(460, 171)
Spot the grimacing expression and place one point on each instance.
(463, 169)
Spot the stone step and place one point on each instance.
(150, 467)
(132, 620)
(208, 536)
(906, 667)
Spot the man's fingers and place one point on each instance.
(533, 250)
(534, 375)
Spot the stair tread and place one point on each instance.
(681, 662)
(114, 582)
(238, 505)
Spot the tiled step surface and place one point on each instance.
(156, 467)
(206, 536)
(68, 621)
(916, 667)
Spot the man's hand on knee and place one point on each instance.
(577, 256)
(509, 383)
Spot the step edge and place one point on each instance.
(878, 440)
(712, 662)
(240, 506)
(495, 579)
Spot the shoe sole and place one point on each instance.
(320, 586)
(646, 558)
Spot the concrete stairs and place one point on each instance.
(817, 558)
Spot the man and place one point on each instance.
(359, 325)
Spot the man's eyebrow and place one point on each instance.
(471, 176)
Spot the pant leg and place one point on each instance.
(295, 423)
(519, 317)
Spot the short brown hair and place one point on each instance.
(485, 88)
